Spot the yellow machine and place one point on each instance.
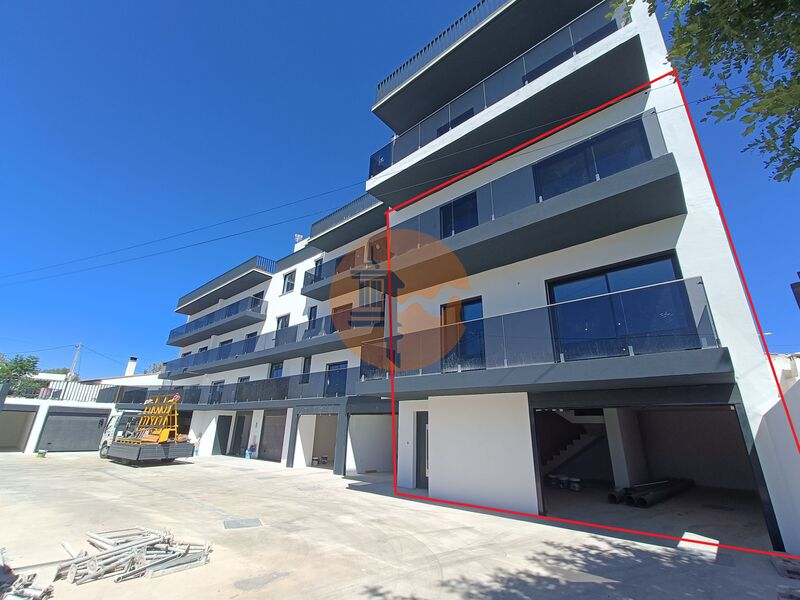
(156, 436)
(158, 422)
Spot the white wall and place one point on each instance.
(369, 443)
(628, 459)
(481, 452)
(304, 442)
(204, 428)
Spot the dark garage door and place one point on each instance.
(272, 431)
(65, 431)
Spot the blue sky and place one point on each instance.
(121, 123)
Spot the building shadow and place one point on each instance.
(608, 569)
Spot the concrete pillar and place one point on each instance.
(36, 429)
(287, 438)
(625, 444)
(340, 453)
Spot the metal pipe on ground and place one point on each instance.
(648, 499)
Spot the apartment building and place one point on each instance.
(573, 308)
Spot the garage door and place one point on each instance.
(72, 431)
(271, 446)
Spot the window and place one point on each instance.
(276, 369)
(317, 269)
(256, 301)
(244, 379)
(226, 342)
(215, 393)
(462, 335)
(203, 349)
(312, 316)
(340, 317)
(459, 215)
(621, 148)
(618, 149)
(187, 353)
(283, 322)
(336, 379)
(565, 171)
(288, 282)
(252, 334)
(304, 377)
(623, 310)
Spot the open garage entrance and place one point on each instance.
(15, 427)
(678, 470)
(315, 444)
(369, 444)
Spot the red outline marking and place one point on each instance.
(482, 166)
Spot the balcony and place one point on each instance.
(235, 281)
(334, 383)
(614, 181)
(247, 311)
(343, 329)
(345, 274)
(607, 183)
(583, 32)
(659, 335)
(487, 37)
(348, 223)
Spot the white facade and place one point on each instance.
(481, 448)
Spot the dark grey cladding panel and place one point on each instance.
(520, 26)
(719, 394)
(287, 262)
(369, 221)
(690, 367)
(608, 76)
(17, 407)
(321, 290)
(637, 196)
(237, 321)
(234, 281)
(360, 404)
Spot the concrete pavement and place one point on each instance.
(327, 537)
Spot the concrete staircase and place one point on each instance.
(575, 447)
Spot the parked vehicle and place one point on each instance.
(118, 424)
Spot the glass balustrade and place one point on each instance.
(665, 317)
(356, 321)
(250, 304)
(588, 29)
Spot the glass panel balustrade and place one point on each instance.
(250, 304)
(665, 317)
(357, 321)
(585, 31)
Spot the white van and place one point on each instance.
(118, 423)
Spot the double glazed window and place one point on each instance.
(622, 311)
(459, 215)
(620, 148)
(462, 335)
(288, 282)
